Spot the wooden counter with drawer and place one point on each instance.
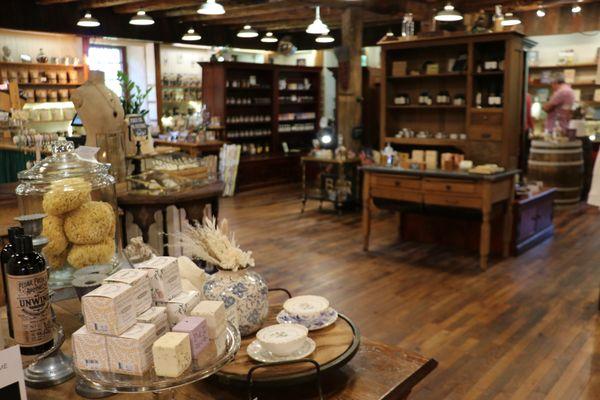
(446, 189)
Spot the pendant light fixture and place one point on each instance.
(87, 21)
(191, 36)
(448, 14)
(141, 19)
(576, 9)
(269, 38)
(317, 27)
(324, 38)
(211, 7)
(247, 32)
(510, 19)
(540, 12)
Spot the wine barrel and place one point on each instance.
(558, 165)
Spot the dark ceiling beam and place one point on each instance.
(488, 5)
(252, 9)
(300, 25)
(50, 2)
(292, 14)
(90, 4)
(156, 5)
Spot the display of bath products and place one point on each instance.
(109, 309)
(164, 277)
(172, 354)
(139, 281)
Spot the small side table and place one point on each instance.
(337, 181)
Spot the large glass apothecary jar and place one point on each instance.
(75, 199)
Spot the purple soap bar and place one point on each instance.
(197, 329)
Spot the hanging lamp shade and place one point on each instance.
(211, 7)
(141, 18)
(247, 32)
(325, 38)
(576, 9)
(448, 14)
(269, 38)
(510, 19)
(317, 27)
(191, 36)
(88, 21)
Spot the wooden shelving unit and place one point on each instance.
(492, 132)
(290, 90)
(584, 81)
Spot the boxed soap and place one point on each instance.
(214, 314)
(181, 305)
(139, 281)
(109, 309)
(197, 330)
(156, 316)
(89, 350)
(164, 277)
(131, 352)
(172, 354)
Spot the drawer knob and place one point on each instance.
(486, 135)
(448, 187)
(397, 183)
(485, 117)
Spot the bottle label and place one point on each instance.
(30, 308)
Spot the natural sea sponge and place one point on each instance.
(83, 255)
(56, 260)
(91, 223)
(53, 230)
(66, 195)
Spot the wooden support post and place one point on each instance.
(349, 82)
(158, 87)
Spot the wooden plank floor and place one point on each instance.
(525, 329)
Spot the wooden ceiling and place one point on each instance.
(285, 17)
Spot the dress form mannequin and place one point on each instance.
(102, 115)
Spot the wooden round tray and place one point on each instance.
(336, 345)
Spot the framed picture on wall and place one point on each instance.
(301, 62)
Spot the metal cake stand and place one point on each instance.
(161, 387)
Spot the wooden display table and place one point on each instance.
(340, 172)
(377, 372)
(193, 149)
(193, 200)
(435, 188)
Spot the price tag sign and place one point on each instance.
(137, 126)
(12, 381)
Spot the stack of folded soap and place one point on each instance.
(141, 317)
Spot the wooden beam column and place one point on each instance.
(349, 82)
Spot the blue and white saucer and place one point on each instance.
(325, 319)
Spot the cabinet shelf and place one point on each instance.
(39, 65)
(583, 65)
(489, 73)
(440, 75)
(426, 142)
(575, 84)
(431, 107)
(45, 84)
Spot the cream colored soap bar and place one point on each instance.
(181, 306)
(214, 314)
(164, 277)
(131, 352)
(172, 354)
(89, 350)
(156, 316)
(109, 309)
(139, 281)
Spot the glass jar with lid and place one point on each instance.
(75, 199)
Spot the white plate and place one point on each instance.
(258, 353)
(323, 321)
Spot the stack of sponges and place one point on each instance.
(79, 230)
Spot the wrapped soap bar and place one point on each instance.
(89, 350)
(139, 281)
(197, 330)
(109, 309)
(156, 316)
(181, 306)
(172, 354)
(164, 277)
(214, 314)
(131, 352)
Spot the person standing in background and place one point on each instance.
(560, 104)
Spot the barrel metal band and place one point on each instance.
(567, 189)
(551, 151)
(554, 163)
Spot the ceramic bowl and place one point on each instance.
(282, 339)
(306, 307)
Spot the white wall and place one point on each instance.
(54, 45)
(585, 45)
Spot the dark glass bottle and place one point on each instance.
(5, 255)
(27, 287)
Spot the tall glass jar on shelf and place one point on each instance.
(75, 200)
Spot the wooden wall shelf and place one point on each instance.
(217, 87)
(49, 84)
(40, 65)
(493, 134)
(585, 65)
